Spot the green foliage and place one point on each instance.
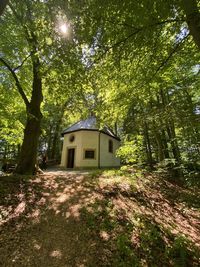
(180, 253)
(131, 152)
(149, 77)
(152, 243)
(125, 254)
(133, 65)
(31, 33)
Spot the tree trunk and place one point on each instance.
(170, 127)
(165, 145)
(3, 4)
(173, 141)
(53, 149)
(160, 149)
(55, 140)
(28, 155)
(164, 102)
(5, 152)
(49, 142)
(193, 19)
(148, 145)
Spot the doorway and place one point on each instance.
(70, 157)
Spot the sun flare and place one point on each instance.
(64, 28)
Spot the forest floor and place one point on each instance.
(98, 218)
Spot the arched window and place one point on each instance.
(110, 146)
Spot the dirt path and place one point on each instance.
(76, 219)
(51, 231)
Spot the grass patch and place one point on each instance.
(136, 239)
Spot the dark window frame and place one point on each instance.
(110, 146)
(89, 151)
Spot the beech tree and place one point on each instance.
(31, 42)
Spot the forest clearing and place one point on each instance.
(98, 218)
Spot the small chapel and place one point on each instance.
(85, 145)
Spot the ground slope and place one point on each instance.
(103, 218)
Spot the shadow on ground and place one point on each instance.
(77, 219)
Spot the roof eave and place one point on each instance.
(93, 130)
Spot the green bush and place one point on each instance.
(132, 151)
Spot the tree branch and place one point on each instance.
(27, 33)
(22, 63)
(172, 52)
(163, 63)
(135, 32)
(107, 49)
(17, 82)
(150, 25)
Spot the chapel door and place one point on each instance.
(70, 157)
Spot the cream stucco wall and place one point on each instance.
(67, 144)
(90, 140)
(108, 159)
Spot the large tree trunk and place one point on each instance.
(193, 19)
(160, 149)
(28, 155)
(3, 4)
